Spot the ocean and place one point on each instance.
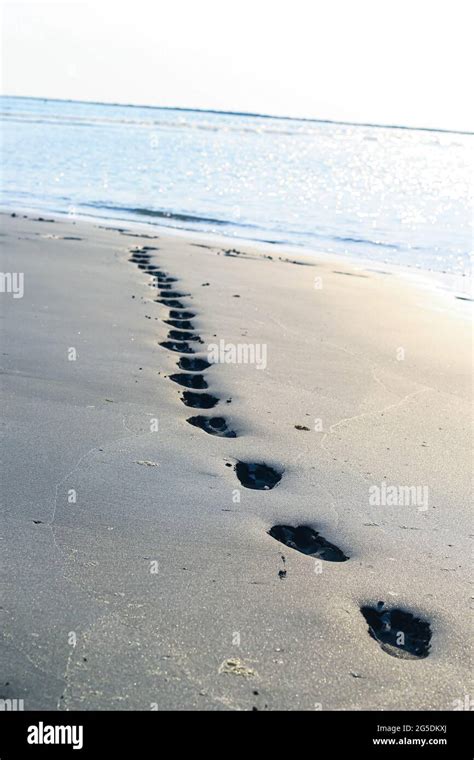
(387, 194)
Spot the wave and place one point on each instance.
(158, 213)
(187, 218)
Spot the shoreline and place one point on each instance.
(144, 537)
(446, 284)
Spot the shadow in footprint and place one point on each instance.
(199, 400)
(178, 346)
(308, 541)
(181, 315)
(398, 633)
(184, 324)
(176, 294)
(257, 475)
(189, 381)
(179, 335)
(193, 365)
(172, 303)
(213, 426)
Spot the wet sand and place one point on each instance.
(183, 536)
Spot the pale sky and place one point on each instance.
(400, 62)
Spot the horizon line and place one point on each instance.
(248, 114)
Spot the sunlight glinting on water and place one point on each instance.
(387, 194)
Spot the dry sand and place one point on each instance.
(137, 571)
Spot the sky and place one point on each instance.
(376, 61)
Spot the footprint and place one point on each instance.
(213, 426)
(232, 252)
(308, 541)
(193, 365)
(349, 274)
(181, 315)
(133, 234)
(184, 324)
(299, 263)
(171, 303)
(179, 335)
(257, 475)
(189, 381)
(176, 294)
(398, 633)
(199, 400)
(178, 346)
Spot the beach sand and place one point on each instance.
(138, 570)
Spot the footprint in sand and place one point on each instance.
(176, 294)
(213, 426)
(181, 315)
(184, 324)
(171, 303)
(187, 336)
(258, 476)
(193, 365)
(308, 541)
(189, 381)
(398, 633)
(349, 274)
(177, 346)
(199, 400)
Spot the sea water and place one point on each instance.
(396, 195)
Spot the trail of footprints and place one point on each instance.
(398, 632)
(183, 340)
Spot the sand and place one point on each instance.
(138, 573)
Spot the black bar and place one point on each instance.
(313, 734)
